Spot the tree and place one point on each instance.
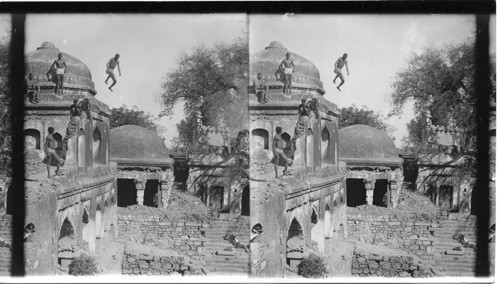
(211, 82)
(124, 116)
(440, 81)
(5, 129)
(353, 115)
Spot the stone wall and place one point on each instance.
(412, 236)
(187, 238)
(377, 264)
(145, 260)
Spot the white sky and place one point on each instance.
(149, 46)
(378, 46)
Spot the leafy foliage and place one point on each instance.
(5, 125)
(82, 265)
(125, 116)
(353, 115)
(312, 266)
(211, 82)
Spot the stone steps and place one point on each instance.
(239, 263)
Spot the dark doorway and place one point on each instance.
(356, 192)
(151, 193)
(216, 197)
(295, 242)
(380, 193)
(127, 193)
(445, 196)
(245, 201)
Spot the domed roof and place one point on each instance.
(365, 145)
(137, 146)
(77, 75)
(267, 61)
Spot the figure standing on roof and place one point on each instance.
(110, 70)
(261, 89)
(288, 68)
(278, 145)
(32, 89)
(50, 150)
(303, 109)
(339, 64)
(59, 68)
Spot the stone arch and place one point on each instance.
(245, 201)
(328, 221)
(67, 244)
(96, 145)
(309, 148)
(260, 139)
(81, 148)
(98, 221)
(315, 227)
(325, 145)
(86, 227)
(32, 139)
(295, 244)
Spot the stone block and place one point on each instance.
(355, 271)
(143, 264)
(372, 264)
(394, 223)
(396, 265)
(454, 252)
(385, 265)
(361, 259)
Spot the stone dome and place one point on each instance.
(306, 75)
(77, 75)
(137, 146)
(365, 145)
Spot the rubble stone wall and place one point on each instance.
(187, 238)
(412, 236)
(373, 264)
(144, 261)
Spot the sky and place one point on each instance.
(149, 47)
(378, 46)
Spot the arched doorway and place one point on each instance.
(96, 145)
(325, 145)
(98, 222)
(32, 139)
(315, 227)
(86, 230)
(81, 148)
(260, 139)
(295, 244)
(328, 222)
(309, 148)
(245, 201)
(66, 245)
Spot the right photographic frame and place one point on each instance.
(372, 145)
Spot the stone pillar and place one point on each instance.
(140, 185)
(393, 187)
(166, 189)
(370, 186)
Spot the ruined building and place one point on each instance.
(305, 211)
(74, 211)
(374, 175)
(145, 174)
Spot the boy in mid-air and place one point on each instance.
(110, 70)
(339, 64)
(278, 145)
(50, 150)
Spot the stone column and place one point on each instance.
(166, 189)
(370, 186)
(140, 185)
(393, 187)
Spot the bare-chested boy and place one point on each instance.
(288, 68)
(59, 67)
(110, 70)
(339, 64)
(278, 145)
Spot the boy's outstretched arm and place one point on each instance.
(118, 65)
(347, 68)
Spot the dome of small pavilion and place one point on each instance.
(132, 145)
(78, 75)
(267, 61)
(363, 145)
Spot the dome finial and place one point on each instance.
(275, 44)
(47, 45)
